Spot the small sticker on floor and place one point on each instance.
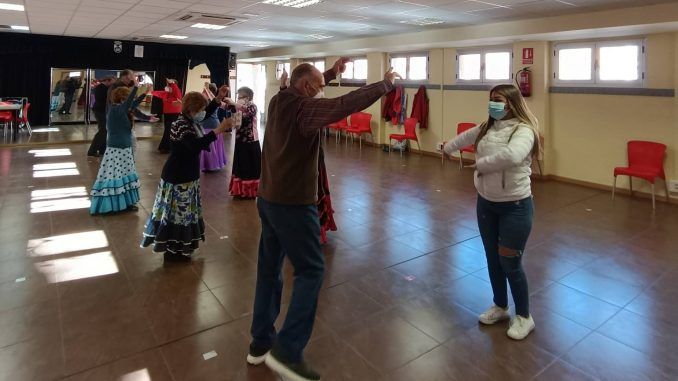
(31, 186)
(209, 355)
(150, 174)
(589, 210)
(438, 190)
(403, 165)
(410, 278)
(223, 237)
(22, 279)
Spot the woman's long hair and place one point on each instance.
(518, 107)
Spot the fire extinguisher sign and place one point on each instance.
(528, 56)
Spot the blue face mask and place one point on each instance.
(200, 116)
(496, 110)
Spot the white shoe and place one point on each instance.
(256, 360)
(493, 315)
(520, 327)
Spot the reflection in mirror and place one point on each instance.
(73, 110)
(68, 99)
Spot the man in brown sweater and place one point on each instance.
(289, 217)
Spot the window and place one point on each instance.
(609, 63)
(279, 69)
(413, 67)
(492, 65)
(318, 63)
(356, 70)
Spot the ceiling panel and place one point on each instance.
(276, 25)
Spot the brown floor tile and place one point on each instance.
(184, 316)
(27, 323)
(389, 342)
(653, 336)
(168, 283)
(592, 264)
(607, 359)
(440, 364)
(437, 316)
(390, 287)
(462, 257)
(37, 359)
(489, 349)
(574, 305)
(344, 305)
(554, 332)
(186, 362)
(562, 371)
(470, 292)
(335, 360)
(430, 270)
(144, 366)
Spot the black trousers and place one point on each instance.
(99, 141)
(68, 102)
(168, 119)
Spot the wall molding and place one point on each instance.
(468, 87)
(670, 93)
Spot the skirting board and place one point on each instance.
(587, 184)
(619, 191)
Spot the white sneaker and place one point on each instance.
(493, 315)
(520, 327)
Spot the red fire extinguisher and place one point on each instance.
(524, 81)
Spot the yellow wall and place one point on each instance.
(585, 135)
(590, 131)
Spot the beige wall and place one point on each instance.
(589, 132)
(585, 135)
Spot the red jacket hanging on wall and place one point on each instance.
(420, 107)
(393, 105)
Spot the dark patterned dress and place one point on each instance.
(246, 155)
(175, 225)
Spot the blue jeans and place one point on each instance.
(292, 231)
(505, 228)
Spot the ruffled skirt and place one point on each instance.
(215, 158)
(175, 224)
(246, 170)
(117, 185)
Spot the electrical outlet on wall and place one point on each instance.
(439, 147)
(673, 186)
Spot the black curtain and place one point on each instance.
(26, 61)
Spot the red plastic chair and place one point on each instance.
(410, 134)
(339, 126)
(462, 127)
(360, 124)
(5, 119)
(23, 119)
(646, 161)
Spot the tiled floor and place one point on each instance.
(79, 300)
(58, 134)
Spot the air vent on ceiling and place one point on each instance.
(203, 18)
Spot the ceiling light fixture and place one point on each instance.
(258, 45)
(423, 21)
(208, 26)
(173, 37)
(293, 3)
(12, 7)
(319, 36)
(19, 27)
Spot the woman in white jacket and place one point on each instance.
(505, 145)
